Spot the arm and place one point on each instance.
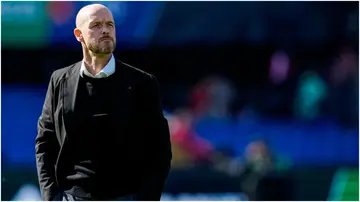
(47, 148)
(161, 146)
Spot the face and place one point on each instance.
(98, 32)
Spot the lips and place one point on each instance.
(105, 39)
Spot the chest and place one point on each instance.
(95, 100)
(116, 105)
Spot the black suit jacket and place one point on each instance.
(140, 116)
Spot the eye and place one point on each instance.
(95, 25)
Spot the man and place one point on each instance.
(102, 134)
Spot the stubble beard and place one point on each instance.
(102, 49)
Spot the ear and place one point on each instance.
(78, 35)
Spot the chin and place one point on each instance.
(106, 52)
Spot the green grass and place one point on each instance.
(345, 185)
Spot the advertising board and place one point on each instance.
(24, 24)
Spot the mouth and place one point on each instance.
(106, 39)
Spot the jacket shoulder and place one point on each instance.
(59, 74)
(135, 71)
(137, 74)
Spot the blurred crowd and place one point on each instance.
(310, 98)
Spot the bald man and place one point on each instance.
(101, 134)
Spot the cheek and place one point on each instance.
(92, 32)
(92, 37)
(112, 32)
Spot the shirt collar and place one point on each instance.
(108, 70)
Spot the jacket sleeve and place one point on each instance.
(161, 153)
(47, 147)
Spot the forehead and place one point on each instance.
(100, 15)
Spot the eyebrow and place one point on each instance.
(96, 22)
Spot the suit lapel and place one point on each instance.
(69, 90)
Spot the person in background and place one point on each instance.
(102, 134)
(189, 149)
(260, 163)
(212, 98)
(311, 93)
(343, 99)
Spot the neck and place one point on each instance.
(94, 63)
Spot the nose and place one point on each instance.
(105, 31)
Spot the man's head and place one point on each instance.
(95, 29)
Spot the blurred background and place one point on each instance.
(261, 97)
